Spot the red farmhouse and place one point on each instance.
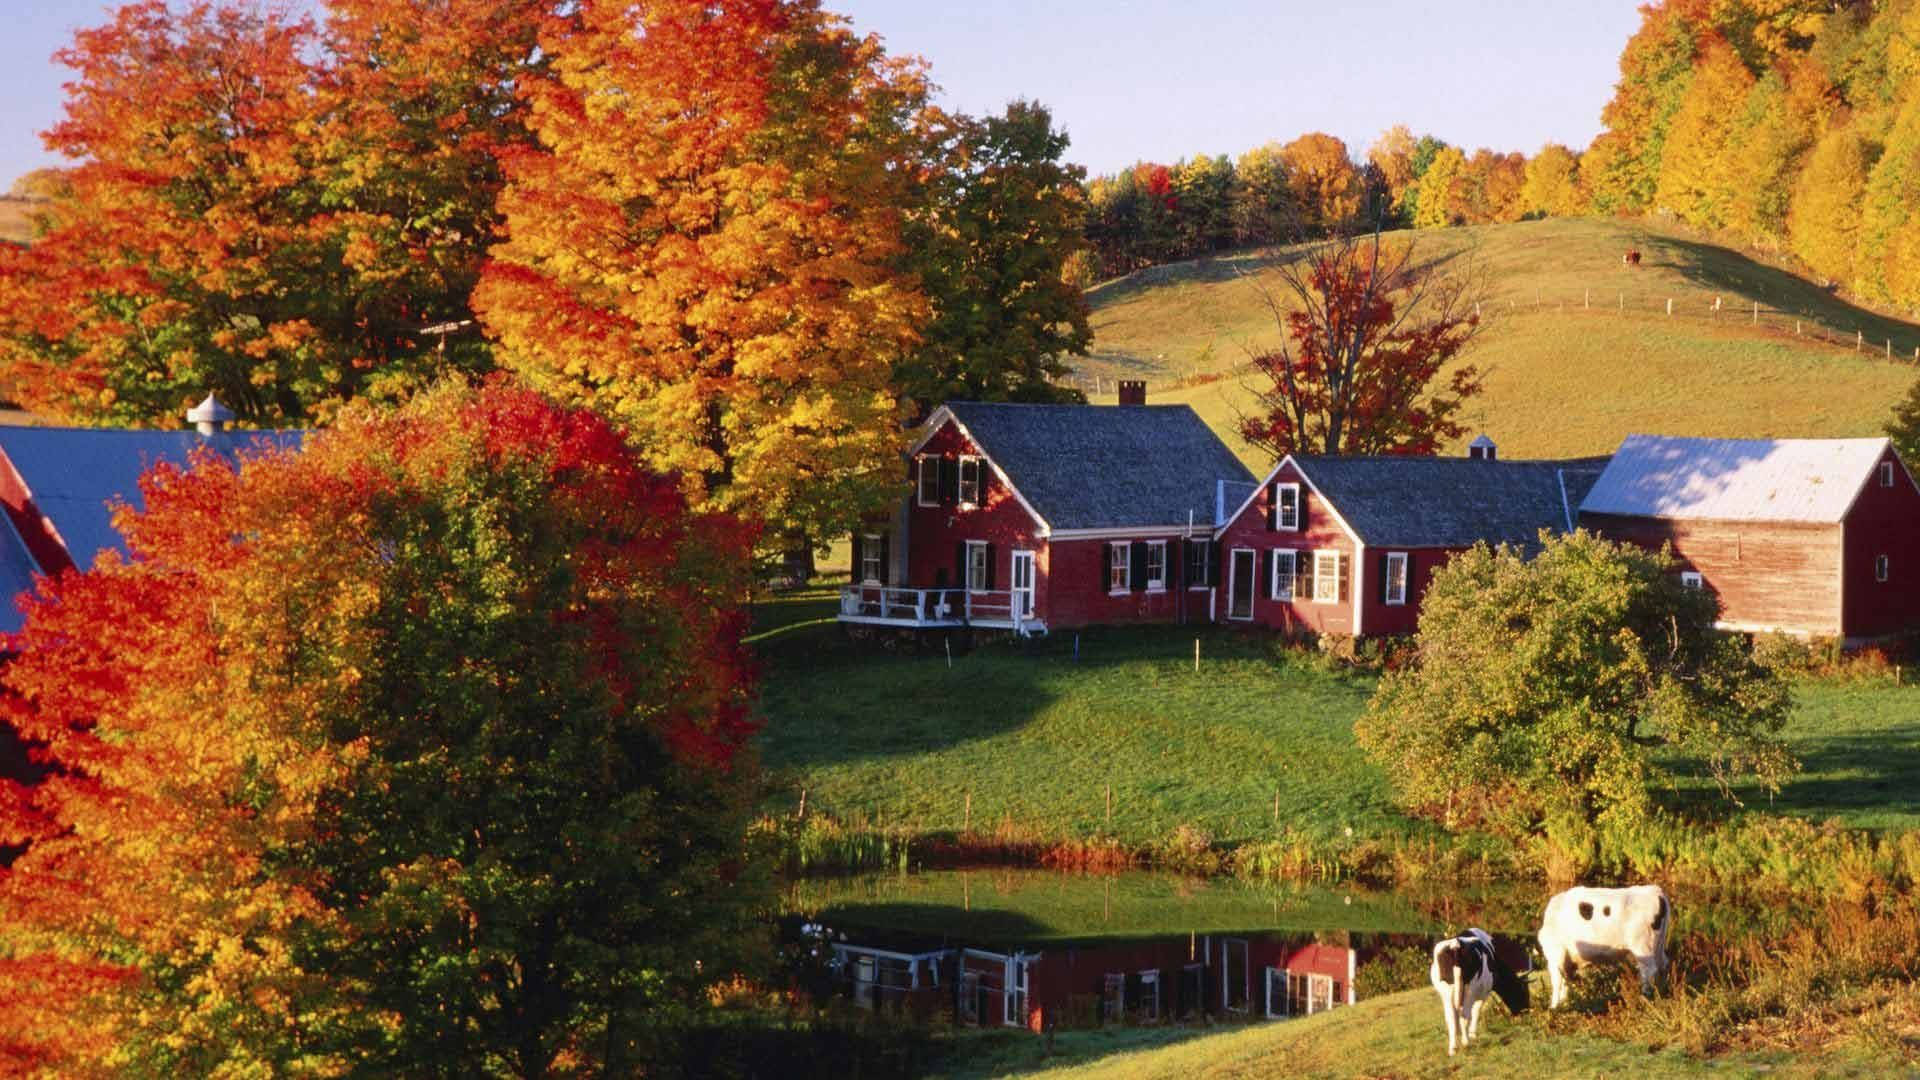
(1805, 536)
(1037, 517)
(1346, 545)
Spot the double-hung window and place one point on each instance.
(1396, 583)
(1156, 565)
(1286, 507)
(1880, 567)
(870, 558)
(970, 467)
(976, 566)
(1326, 577)
(1691, 579)
(1199, 563)
(1886, 474)
(1281, 588)
(1119, 566)
(927, 491)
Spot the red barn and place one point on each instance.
(1346, 545)
(1805, 536)
(1037, 517)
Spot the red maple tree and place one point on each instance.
(1367, 331)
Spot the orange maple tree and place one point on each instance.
(413, 750)
(706, 247)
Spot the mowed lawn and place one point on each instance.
(1396, 1035)
(1037, 737)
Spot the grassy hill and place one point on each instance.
(16, 223)
(1578, 349)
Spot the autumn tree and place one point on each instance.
(1437, 195)
(1366, 331)
(1570, 683)
(1325, 183)
(268, 207)
(1552, 184)
(1904, 426)
(1887, 261)
(1262, 196)
(1655, 69)
(1001, 217)
(1823, 220)
(706, 247)
(415, 752)
(1697, 181)
(1776, 129)
(1392, 154)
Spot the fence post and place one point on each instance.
(1859, 339)
(1796, 328)
(1669, 307)
(1756, 313)
(1588, 302)
(1623, 303)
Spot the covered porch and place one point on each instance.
(940, 607)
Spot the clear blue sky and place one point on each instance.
(1133, 80)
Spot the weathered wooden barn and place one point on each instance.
(1805, 536)
(1347, 545)
(1037, 517)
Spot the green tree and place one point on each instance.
(1262, 196)
(1570, 682)
(1203, 187)
(1904, 427)
(1004, 215)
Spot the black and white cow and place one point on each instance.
(1465, 970)
(1585, 926)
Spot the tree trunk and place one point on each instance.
(798, 558)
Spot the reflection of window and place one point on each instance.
(1286, 507)
(1880, 568)
(1156, 565)
(1113, 998)
(870, 558)
(929, 486)
(1691, 579)
(1281, 587)
(970, 480)
(1119, 566)
(1326, 577)
(977, 566)
(1396, 577)
(1149, 1003)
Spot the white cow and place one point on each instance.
(1465, 970)
(1585, 926)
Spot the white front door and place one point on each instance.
(1023, 584)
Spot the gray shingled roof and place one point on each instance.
(1106, 466)
(1451, 502)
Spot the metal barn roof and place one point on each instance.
(1106, 466)
(75, 475)
(1670, 476)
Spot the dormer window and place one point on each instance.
(970, 467)
(927, 481)
(1886, 474)
(1286, 507)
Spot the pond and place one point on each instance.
(1037, 948)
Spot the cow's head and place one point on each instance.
(1511, 985)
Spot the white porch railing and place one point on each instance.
(893, 606)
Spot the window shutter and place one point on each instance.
(1345, 573)
(1300, 514)
(989, 558)
(985, 474)
(858, 562)
(1266, 571)
(1303, 575)
(1106, 565)
(1383, 577)
(960, 563)
(1137, 565)
(1213, 563)
(949, 479)
(1273, 506)
(885, 563)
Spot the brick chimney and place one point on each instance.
(1133, 391)
(1482, 449)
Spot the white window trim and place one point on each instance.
(972, 545)
(1158, 584)
(1691, 579)
(920, 480)
(1293, 572)
(1278, 522)
(869, 549)
(1886, 474)
(979, 466)
(1126, 560)
(1405, 573)
(1882, 567)
(1330, 577)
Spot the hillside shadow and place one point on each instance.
(1846, 774)
(1778, 291)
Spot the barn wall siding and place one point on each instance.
(1783, 575)
(1883, 521)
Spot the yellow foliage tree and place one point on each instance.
(1823, 220)
(1552, 184)
(1887, 263)
(1775, 132)
(1326, 187)
(1392, 154)
(1437, 189)
(1697, 178)
(705, 246)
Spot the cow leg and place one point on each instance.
(1556, 972)
(1447, 1014)
(1650, 967)
(1473, 1031)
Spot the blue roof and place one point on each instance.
(76, 475)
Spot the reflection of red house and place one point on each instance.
(1346, 545)
(1807, 536)
(1030, 517)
